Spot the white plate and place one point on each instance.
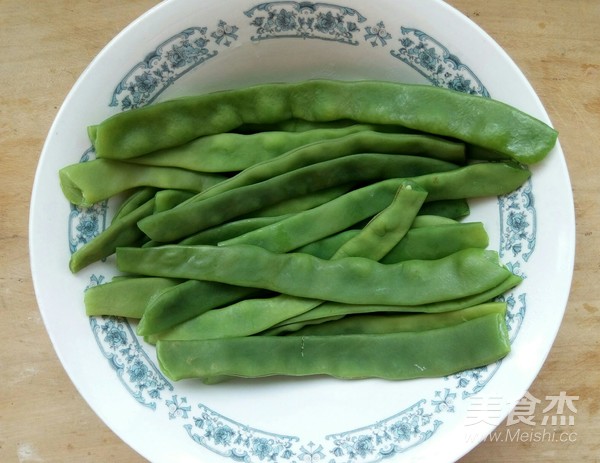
(186, 46)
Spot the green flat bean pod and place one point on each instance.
(427, 220)
(398, 356)
(231, 152)
(333, 310)
(452, 208)
(302, 125)
(168, 199)
(302, 203)
(187, 300)
(386, 323)
(387, 228)
(364, 281)
(480, 121)
(435, 242)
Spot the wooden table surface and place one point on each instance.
(45, 45)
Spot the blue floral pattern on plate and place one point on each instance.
(234, 440)
(305, 20)
(116, 339)
(433, 60)
(170, 61)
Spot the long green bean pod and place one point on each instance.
(365, 281)
(302, 125)
(387, 228)
(229, 230)
(333, 310)
(187, 300)
(168, 199)
(480, 121)
(427, 220)
(435, 242)
(398, 356)
(392, 322)
(231, 152)
(301, 203)
(451, 208)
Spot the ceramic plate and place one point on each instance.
(184, 47)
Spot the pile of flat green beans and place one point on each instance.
(313, 228)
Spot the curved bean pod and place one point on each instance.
(481, 121)
(169, 198)
(435, 242)
(427, 220)
(302, 125)
(189, 299)
(231, 152)
(365, 281)
(326, 150)
(333, 310)
(229, 230)
(302, 203)
(387, 228)
(450, 208)
(385, 323)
